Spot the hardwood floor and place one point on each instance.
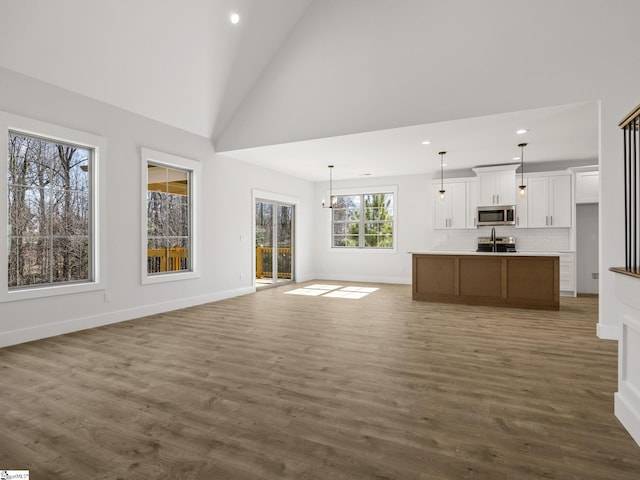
(276, 386)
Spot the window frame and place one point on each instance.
(362, 191)
(193, 167)
(97, 202)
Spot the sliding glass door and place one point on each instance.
(274, 243)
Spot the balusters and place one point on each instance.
(631, 134)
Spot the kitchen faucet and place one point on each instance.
(493, 239)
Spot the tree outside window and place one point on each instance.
(49, 212)
(168, 219)
(363, 221)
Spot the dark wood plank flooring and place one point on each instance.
(275, 386)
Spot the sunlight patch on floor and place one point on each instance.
(333, 291)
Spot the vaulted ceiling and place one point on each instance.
(299, 84)
(179, 62)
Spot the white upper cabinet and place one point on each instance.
(472, 204)
(560, 201)
(537, 202)
(450, 211)
(549, 201)
(588, 187)
(496, 185)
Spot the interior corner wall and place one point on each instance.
(225, 216)
(235, 182)
(614, 106)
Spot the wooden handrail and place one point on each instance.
(630, 117)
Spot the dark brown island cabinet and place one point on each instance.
(498, 279)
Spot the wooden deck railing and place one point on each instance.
(259, 263)
(166, 259)
(170, 260)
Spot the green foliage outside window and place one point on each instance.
(363, 221)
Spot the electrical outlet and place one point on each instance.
(595, 276)
(107, 296)
(242, 276)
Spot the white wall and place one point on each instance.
(587, 247)
(235, 182)
(616, 103)
(413, 227)
(225, 214)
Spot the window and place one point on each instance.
(363, 220)
(51, 211)
(169, 212)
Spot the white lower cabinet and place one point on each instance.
(568, 273)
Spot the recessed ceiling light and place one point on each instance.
(426, 142)
(516, 158)
(234, 18)
(522, 131)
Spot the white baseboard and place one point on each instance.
(608, 332)
(628, 416)
(15, 337)
(365, 278)
(568, 293)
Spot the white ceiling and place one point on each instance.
(565, 133)
(181, 63)
(296, 78)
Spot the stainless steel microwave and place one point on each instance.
(496, 215)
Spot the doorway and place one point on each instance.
(274, 252)
(587, 248)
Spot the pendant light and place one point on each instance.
(441, 174)
(522, 187)
(332, 199)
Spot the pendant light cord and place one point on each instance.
(441, 173)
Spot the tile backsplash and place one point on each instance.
(527, 239)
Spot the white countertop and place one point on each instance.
(473, 252)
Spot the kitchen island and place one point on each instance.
(528, 280)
